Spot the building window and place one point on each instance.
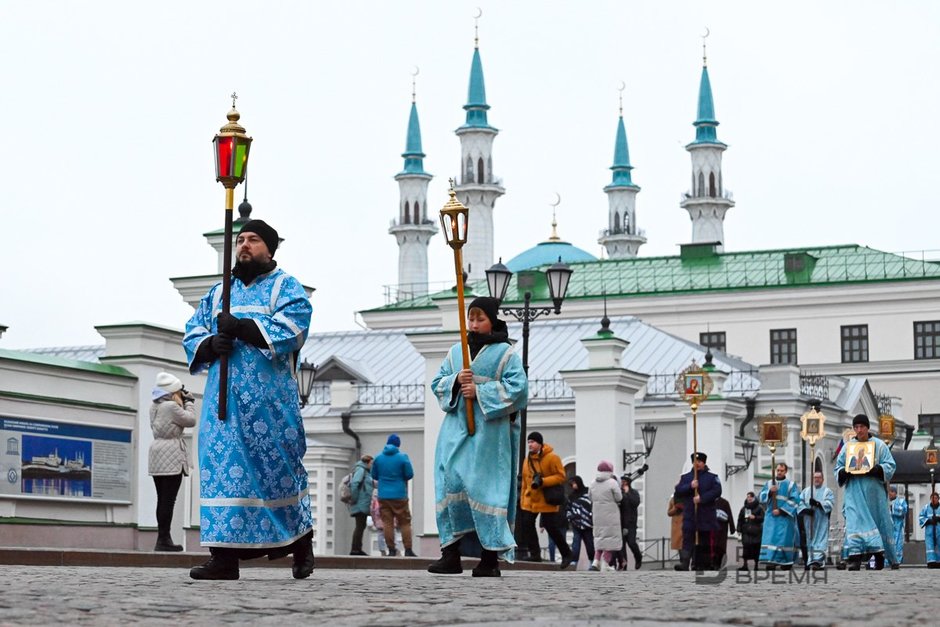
(713, 339)
(927, 340)
(783, 346)
(930, 423)
(854, 343)
(480, 178)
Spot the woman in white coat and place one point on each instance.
(605, 500)
(171, 412)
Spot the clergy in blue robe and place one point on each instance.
(929, 520)
(475, 475)
(781, 500)
(816, 504)
(899, 509)
(252, 482)
(868, 528)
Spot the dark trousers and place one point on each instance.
(554, 525)
(703, 553)
(168, 486)
(587, 537)
(358, 531)
(629, 542)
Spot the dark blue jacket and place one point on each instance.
(392, 469)
(709, 489)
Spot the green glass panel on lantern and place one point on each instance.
(241, 158)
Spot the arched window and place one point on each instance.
(417, 213)
(468, 175)
(480, 173)
(626, 222)
(616, 223)
(701, 185)
(407, 218)
(711, 185)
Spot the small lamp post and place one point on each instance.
(231, 146)
(648, 431)
(498, 277)
(747, 448)
(307, 376)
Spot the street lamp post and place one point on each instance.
(747, 447)
(497, 280)
(231, 146)
(306, 376)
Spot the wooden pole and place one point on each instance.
(462, 314)
(694, 407)
(226, 297)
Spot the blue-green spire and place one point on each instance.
(705, 125)
(621, 166)
(414, 157)
(476, 106)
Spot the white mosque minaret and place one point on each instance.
(412, 228)
(478, 189)
(707, 201)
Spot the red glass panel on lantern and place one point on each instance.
(223, 156)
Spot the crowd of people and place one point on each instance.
(254, 499)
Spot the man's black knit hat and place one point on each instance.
(265, 232)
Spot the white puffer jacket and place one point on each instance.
(168, 453)
(605, 503)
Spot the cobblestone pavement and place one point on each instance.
(47, 595)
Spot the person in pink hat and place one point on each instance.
(605, 499)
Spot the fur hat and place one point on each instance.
(701, 457)
(861, 419)
(535, 436)
(394, 440)
(168, 383)
(265, 232)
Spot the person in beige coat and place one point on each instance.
(605, 502)
(171, 412)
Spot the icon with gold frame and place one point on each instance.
(694, 384)
(859, 456)
(772, 429)
(814, 426)
(886, 428)
(931, 457)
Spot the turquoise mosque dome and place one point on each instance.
(547, 253)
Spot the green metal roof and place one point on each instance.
(699, 269)
(59, 362)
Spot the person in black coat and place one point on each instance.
(698, 517)
(725, 526)
(751, 527)
(629, 505)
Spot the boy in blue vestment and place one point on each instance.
(475, 475)
(899, 509)
(929, 519)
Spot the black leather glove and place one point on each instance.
(843, 477)
(537, 482)
(877, 472)
(244, 329)
(187, 396)
(221, 344)
(815, 503)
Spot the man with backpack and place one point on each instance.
(393, 470)
(356, 492)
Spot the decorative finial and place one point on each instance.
(234, 98)
(414, 75)
(705, 56)
(620, 89)
(244, 209)
(554, 236)
(476, 27)
(708, 358)
(605, 321)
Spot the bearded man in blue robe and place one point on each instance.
(868, 527)
(475, 475)
(781, 500)
(252, 482)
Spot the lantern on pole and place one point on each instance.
(231, 146)
(454, 217)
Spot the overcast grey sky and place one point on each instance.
(829, 110)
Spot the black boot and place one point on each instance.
(303, 557)
(879, 561)
(854, 562)
(488, 566)
(165, 543)
(222, 565)
(449, 564)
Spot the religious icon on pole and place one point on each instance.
(931, 457)
(772, 430)
(886, 428)
(813, 426)
(694, 385)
